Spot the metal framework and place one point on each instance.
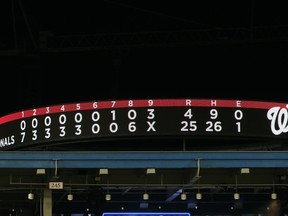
(50, 43)
(36, 159)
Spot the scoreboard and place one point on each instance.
(141, 118)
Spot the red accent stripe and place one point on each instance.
(94, 105)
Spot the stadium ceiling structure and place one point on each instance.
(203, 175)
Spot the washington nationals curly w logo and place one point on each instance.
(279, 119)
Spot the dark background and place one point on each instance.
(103, 50)
(56, 52)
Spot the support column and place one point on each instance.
(47, 202)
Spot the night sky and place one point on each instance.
(248, 68)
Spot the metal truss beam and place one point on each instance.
(188, 37)
(50, 43)
(34, 159)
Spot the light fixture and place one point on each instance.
(245, 170)
(30, 196)
(236, 194)
(150, 171)
(183, 196)
(145, 196)
(273, 194)
(103, 171)
(198, 196)
(108, 197)
(70, 197)
(40, 171)
(97, 178)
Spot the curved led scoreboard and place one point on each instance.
(142, 118)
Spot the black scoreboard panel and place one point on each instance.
(206, 118)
